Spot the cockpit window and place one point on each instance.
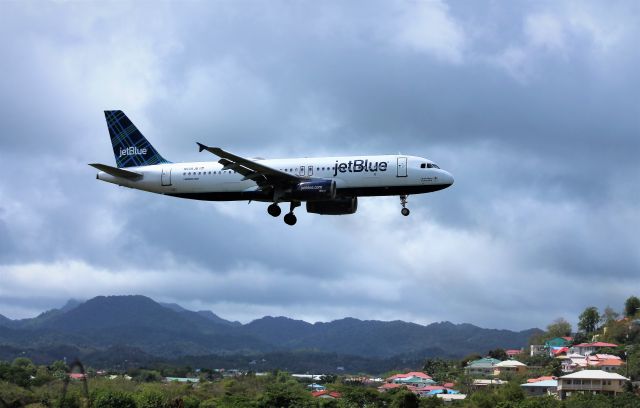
(423, 165)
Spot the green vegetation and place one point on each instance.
(23, 383)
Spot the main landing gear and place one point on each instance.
(289, 218)
(274, 210)
(403, 201)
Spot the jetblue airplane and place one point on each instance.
(328, 185)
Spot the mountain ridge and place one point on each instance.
(169, 331)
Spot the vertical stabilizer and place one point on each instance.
(130, 147)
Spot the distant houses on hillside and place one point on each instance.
(420, 384)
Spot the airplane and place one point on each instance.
(328, 185)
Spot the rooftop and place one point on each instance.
(483, 362)
(510, 363)
(595, 375)
(596, 344)
(543, 384)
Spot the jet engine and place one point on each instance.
(338, 206)
(314, 190)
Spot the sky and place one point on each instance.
(533, 106)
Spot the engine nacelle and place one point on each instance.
(314, 190)
(339, 206)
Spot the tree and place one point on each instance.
(283, 395)
(354, 396)
(609, 315)
(631, 306)
(440, 370)
(113, 399)
(498, 354)
(405, 399)
(470, 357)
(589, 320)
(559, 328)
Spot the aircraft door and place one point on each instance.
(310, 172)
(166, 176)
(402, 167)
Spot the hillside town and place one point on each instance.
(593, 366)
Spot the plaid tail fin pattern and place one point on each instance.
(130, 147)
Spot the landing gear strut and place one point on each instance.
(403, 201)
(274, 210)
(290, 218)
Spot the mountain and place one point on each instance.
(5, 321)
(137, 323)
(204, 313)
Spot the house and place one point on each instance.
(181, 380)
(513, 353)
(78, 376)
(605, 362)
(509, 367)
(539, 388)
(390, 386)
(450, 398)
(591, 381)
(324, 394)
(590, 348)
(610, 365)
(537, 350)
(415, 378)
(431, 390)
(573, 362)
(482, 383)
(483, 367)
(543, 378)
(316, 387)
(558, 342)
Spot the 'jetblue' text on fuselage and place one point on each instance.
(358, 166)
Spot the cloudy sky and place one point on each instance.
(533, 106)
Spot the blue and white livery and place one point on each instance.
(328, 185)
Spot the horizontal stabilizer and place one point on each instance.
(116, 172)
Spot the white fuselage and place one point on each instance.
(354, 176)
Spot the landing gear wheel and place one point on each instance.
(290, 219)
(274, 210)
(403, 202)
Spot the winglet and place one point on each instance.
(214, 150)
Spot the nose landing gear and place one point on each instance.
(403, 201)
(290, 218)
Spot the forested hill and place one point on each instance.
(169, 331)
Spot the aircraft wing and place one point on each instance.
(263, 175)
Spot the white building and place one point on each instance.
(592, 381)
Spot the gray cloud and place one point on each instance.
(531, 106)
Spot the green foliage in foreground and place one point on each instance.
(24, 384)
(279, 390)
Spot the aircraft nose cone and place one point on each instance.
(447, 178)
